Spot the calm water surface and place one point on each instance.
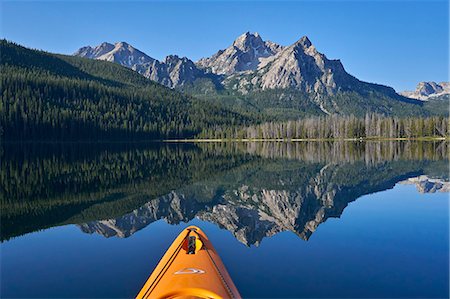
(306, 220)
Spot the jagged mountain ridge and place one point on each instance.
(246, 53)
(428, 90)
(173, 71)
(296, 78)
(121, 53)
(254, 63)
(94, 52)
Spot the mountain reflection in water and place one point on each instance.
(254, 190)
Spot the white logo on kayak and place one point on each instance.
(190, 271)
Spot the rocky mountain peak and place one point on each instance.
(122, 45)
(304, 42)
(248, 41)
(427, 90)
(94, 52)
(174, 59)
(244, 54)
(106, 45)
(426, 184)
(299, 66)
(121, 52)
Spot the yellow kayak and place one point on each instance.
(190, 268)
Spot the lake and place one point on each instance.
(304, 219)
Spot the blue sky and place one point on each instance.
(397, 43)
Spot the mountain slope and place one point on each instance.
(58, 97)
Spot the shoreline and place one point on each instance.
(207, 140)
(244, 140)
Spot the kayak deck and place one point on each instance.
(190, 268)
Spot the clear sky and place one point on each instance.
(397, 43)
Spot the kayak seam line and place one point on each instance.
(220, 275)
(163, 270)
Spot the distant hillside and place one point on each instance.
(58, 97)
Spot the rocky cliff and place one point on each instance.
(246, 53)
(428, 90)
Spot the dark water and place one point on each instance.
(306, 220)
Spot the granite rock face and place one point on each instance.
(428, 90)
(94, 52)
(299, 66)
(253, 64)
(246, 53)
(172, 72)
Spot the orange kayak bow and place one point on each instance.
(190, 268)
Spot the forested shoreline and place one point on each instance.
(372, 126)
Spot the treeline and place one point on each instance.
(338, 127)
(369, 152)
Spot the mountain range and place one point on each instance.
(250, 63)
(265, 75)
(172, 72)
(426, 91)
(115, 91)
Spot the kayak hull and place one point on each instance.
(190, 268)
